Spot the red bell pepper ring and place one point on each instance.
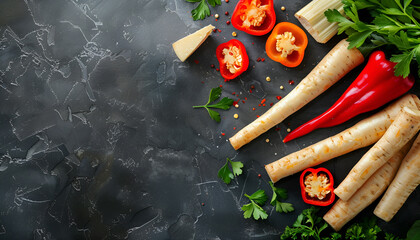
(255, 17)
(375, 86)
(317, 187)
(233, 59)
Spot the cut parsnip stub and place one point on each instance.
(337, 63)
(185, 46)
(364, 133)
(344, 211)
(314, 21)
(404, 183)
(405, 127)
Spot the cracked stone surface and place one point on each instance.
(99, 139)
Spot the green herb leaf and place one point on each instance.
(278, 195)
(224, 104)
(214, 115)
(201, 11)
(403, 63)
(236, 167)
(254, 209)
(213, 3)
(214, 94)
(357, 39)
(414, 232)
(258, 196)
(225, 174)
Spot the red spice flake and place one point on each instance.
(291, 82)
(202, 82)
(258, 59)
(216, 19)
(235, 102)
(226, 13)
(258, 116)
(215, 29)
(220, 85)
(252, 43)
(246, 98)
(277, 129)
(243, 101)
(263, 101)
(202, 204)
(264, 105)
(219, 30)
(217, 69)
(253, 109)
(233, 93)
(262, 59)
(271, 104)
(278, 98)
(234, 128)
(252, 86)
(259, 105)
(223, 134)
(196, 61)
(250, 90)
(227, 22)
(226, 1)
(259, 175)
(212, 66)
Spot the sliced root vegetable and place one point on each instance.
(344, 211)
(404, 183)
(404, 128)
(364, 133)
(314, 21)
(337, 63)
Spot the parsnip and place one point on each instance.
(364, 133)
(337, 63)
(404, 183)
(405, 126)
(344, 211)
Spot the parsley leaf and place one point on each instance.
(367, 229)
(202, 10)
(279, 194)
(224, 104)
(394, 22)
(307, 226)
(254, 209)
(226, 175)
(414, 231)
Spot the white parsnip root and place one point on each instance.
(404, 128)
(404, 183)
(337, 63)
(344, 211)
(364, 133)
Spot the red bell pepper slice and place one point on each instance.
(281, 50)
(375, 86)
(233, 59)
(317, 186)
(255, 17)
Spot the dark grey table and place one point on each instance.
(99, 139)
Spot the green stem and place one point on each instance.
(202, 106)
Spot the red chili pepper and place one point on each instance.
(317, 187)
(255, 17)
(233, 59)
(375, 86)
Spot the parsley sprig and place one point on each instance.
(224, 104)
(226, 175)
(202, 10)
(394, 23)
(278, 195)
(254, 208)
